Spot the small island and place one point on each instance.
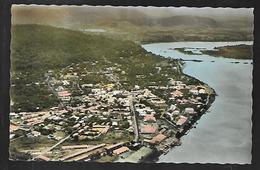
(129, 84)
(183, 50)
(241, 51)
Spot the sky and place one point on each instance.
(160, 11)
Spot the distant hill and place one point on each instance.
(142, 25)
(65, 16)
(188, 21)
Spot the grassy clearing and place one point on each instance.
(36, 143)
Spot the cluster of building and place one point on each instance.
(87, 113)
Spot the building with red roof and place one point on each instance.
(121, 150)
(182, 120)
(158, 138)
(148, 129)
(64, 94)
(13, 128)
(42, 158)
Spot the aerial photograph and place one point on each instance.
(131, 84)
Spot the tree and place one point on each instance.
(125, 124)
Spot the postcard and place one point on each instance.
(131, 84)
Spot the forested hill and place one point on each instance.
(37, 49)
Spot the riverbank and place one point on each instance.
(223, 135)
(153, 156)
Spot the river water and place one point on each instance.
(222, 135)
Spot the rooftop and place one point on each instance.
(121, 150)
(182, 120)
(158, 138)
(148, 129)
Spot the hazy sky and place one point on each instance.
(160, 11)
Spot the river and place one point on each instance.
(222, 135)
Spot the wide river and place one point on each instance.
(222, 135)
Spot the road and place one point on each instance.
(135, 123)
(57, 144)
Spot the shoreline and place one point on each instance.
(159, 42)
(153, 157)
(155, 154)
(192, 142)
(179, 132)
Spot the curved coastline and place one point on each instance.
(155, 154)
(178, 153)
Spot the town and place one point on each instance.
(108, 122)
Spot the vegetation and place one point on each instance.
(41, 51)
(236, 51)
(37, 49)
(195, 34)
(241, 51)
(31, 143)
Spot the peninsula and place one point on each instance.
(101, 84)
(81, 97)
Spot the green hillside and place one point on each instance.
(37, 49)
